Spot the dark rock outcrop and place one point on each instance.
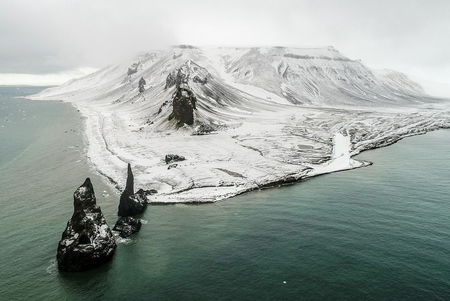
(203, 129)
(178, 77)
(143, 195)
(142, 84)
(170, 80)
(183, 106)
(131, 203)
(183, 99)
(87, 241)
(127, 226)
(199, 80)
(173, 158)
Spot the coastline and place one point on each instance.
(399, 205)
(278, 182)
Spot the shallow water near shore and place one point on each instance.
(376, 233)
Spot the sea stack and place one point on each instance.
(87, 241)
(130, 203)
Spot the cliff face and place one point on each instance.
(87, 241)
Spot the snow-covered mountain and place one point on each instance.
(243, 117)
(301, 76)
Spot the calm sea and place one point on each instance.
(377, 233)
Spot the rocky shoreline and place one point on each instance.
(289, 180)
(88, 242)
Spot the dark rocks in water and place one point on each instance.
(183, 106)
(173, 158)
(127, 226)
(87, 241)
(142, 84)
(131, 203)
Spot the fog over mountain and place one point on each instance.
(51, 37)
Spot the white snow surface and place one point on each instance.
(280, 114)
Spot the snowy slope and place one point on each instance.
(266, 116)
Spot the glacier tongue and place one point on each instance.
(261, 117)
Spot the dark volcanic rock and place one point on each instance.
(170, 80)
(183, 106)
(199, 80)
(127, 226)
(178, 77)
(131, 203)
(87, 241)
(184, 99)
(173, 158)
(203, 129)
(142, 195)
(142, 84)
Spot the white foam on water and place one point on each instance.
(52, 269)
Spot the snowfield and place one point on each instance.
(273, 116)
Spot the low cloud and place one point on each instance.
(51, 36)
(43, 79)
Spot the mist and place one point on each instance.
(51, 37)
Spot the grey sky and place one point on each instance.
(50, 36)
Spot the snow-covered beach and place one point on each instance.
(273, 116)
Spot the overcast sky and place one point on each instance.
(66, 37)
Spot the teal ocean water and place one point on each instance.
(376, 233)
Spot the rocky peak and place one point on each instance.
(129, 187)
(189, 72)
(131, 203)
(84, 197)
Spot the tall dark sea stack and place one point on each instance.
(87, 241)
(130, 203)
